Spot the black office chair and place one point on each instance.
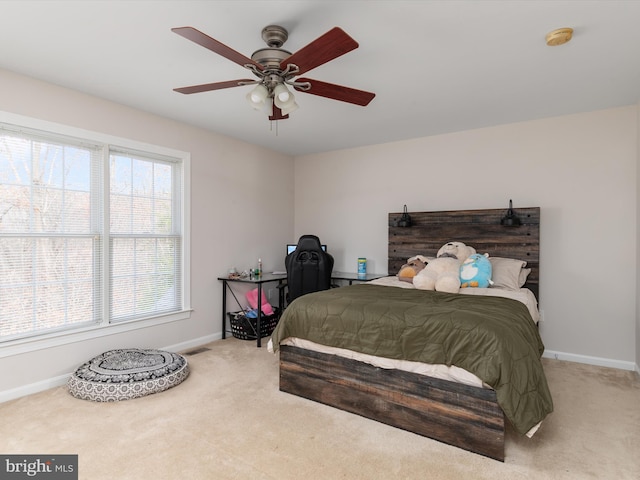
(308, 268)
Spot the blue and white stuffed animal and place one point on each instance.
(475, 271)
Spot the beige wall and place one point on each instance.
(580, 169)
(638, 245)
(233, 219)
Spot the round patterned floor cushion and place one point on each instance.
(128, 373)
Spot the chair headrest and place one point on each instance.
(309, 242)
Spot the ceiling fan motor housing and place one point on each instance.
(271, 57)
(274, 35)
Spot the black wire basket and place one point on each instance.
(246, 328)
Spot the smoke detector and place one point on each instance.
(559, 36)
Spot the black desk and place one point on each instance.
(280, 278)
(356, 277)
(259, 281)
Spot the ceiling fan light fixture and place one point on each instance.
(286, 110)
(258, 96)
(281, 93)
(267, 106)
(282, 97)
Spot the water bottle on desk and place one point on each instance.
(362, 267)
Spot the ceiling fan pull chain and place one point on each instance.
(271, 122)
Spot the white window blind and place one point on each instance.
(145, 240)
(50, 233)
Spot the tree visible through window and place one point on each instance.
(62, 251)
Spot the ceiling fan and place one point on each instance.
(276, 68)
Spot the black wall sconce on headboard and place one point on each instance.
(510, 219)
(405, 219)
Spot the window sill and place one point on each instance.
(32, 344)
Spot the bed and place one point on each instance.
(455, 377)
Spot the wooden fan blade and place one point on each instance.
(213, 86)
(331, 45)
(337, 92)
(214, 45)
(277, 114)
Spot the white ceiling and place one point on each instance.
(435, 66)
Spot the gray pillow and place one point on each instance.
(508, 273)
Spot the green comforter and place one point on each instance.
(491, 337)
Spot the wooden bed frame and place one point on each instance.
(456, 414)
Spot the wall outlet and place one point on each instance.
(541, 315)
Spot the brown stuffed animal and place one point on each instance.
(411, 268)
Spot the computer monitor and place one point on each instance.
(292, 246)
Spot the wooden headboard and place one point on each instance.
(480, 229)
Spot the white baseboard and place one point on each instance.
(61, 380)
(600, 362)
(196, 342)
(32, 388)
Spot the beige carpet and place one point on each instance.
(228, 420)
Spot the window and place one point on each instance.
(145, 240)
(91, 234)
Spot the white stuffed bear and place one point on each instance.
(443, 273)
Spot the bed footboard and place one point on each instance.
(460, 415)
